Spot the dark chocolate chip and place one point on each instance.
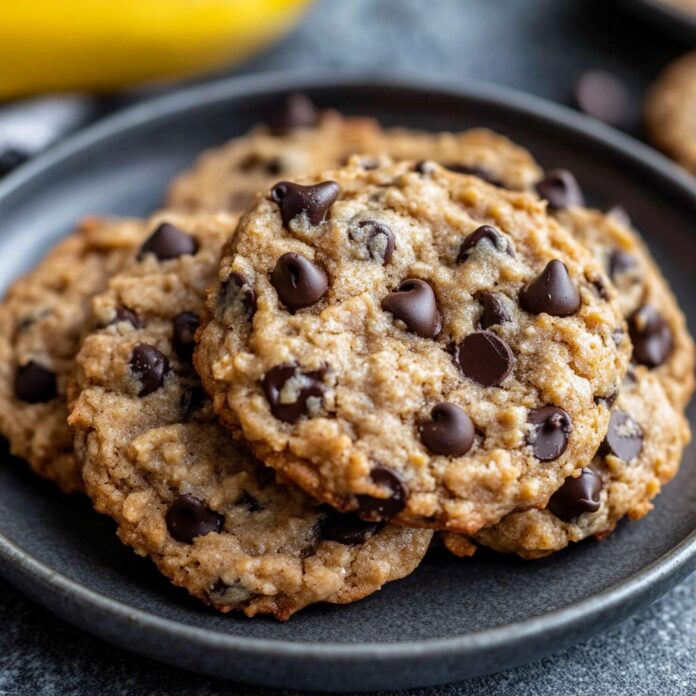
(183, 334)
(600, 286)
(494, 311)
(577, 496)
(602, 95)
(560, 188)
(551, 427)
(624, 438)
(499, 242)
(248, 501)
(413, 302)
(448, 431)
(35, 383)
(123, 314)
(312, 201)
(552, 292)
(298, 281)
(345, 527)
(188, 518)
(238, 296)
(289, 402)
(374, 509)
(620, 261)
(651, 336)
(485, 358)
(168, 242)
(192, 400)
(296, 112)
(608, 401)
(150, 365)
(377, 238)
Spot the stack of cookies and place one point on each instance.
(337, 340)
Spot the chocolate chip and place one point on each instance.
(494, 311)
(577, 496)
(238, 296)
(608, 401)
(168, 242)
(150, 365)
(560, 188)
(448, 431)
(296, 112)
(552, 292)
(312, 201)
(624, 438)
(192, 400)
(248, 501)
(289, 390)
(551, 427)
(188, 518)
(298, 282)
(123, 314)
(371, 508)
(651, 336)
(600, 286)
(413, 302)
(485, 358)
(488, 232)
(377, 238)
(345, 527)
(184, 331)
(602, 95)
(35, 383)
(620, 261)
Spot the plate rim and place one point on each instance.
(638, 588)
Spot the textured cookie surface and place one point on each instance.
(669, 111)
(42, 319)
(182, 492)
(226, 178)
(412, 343)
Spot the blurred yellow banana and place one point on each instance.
(53, 45)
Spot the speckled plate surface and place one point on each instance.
(450, 619)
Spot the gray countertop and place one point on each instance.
(539, 46)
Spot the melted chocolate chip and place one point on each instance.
(624, 438)
(35, 383)
(185, 325)
(560, 188)
(374, 509)
(288, 391)
(619, 262)
(488, 232)
(237, 295)
(551, 427)
(312, 201)
(485, 358)
(413, 302)
(296, 112)
(552, 292)
(377, 238)
(298, 282)
(577, 496)
(168, 242)
(123, 314)
(192, 400)
(651, 336)
(494, 311)
(345, 527)
(150, 365)
(448, 431)
(188, 518)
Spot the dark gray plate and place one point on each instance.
(451, 618)
(680, 24)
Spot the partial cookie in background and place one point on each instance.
(210, 516)
(669, 111)
(42, 319)
(412, 343)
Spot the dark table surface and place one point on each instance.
(539, 46)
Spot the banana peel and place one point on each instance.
(102, 45)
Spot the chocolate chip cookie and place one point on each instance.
(640, 452)
(411, 343)
(210, 516)
(42, 319)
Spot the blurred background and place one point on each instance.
(69, 63)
